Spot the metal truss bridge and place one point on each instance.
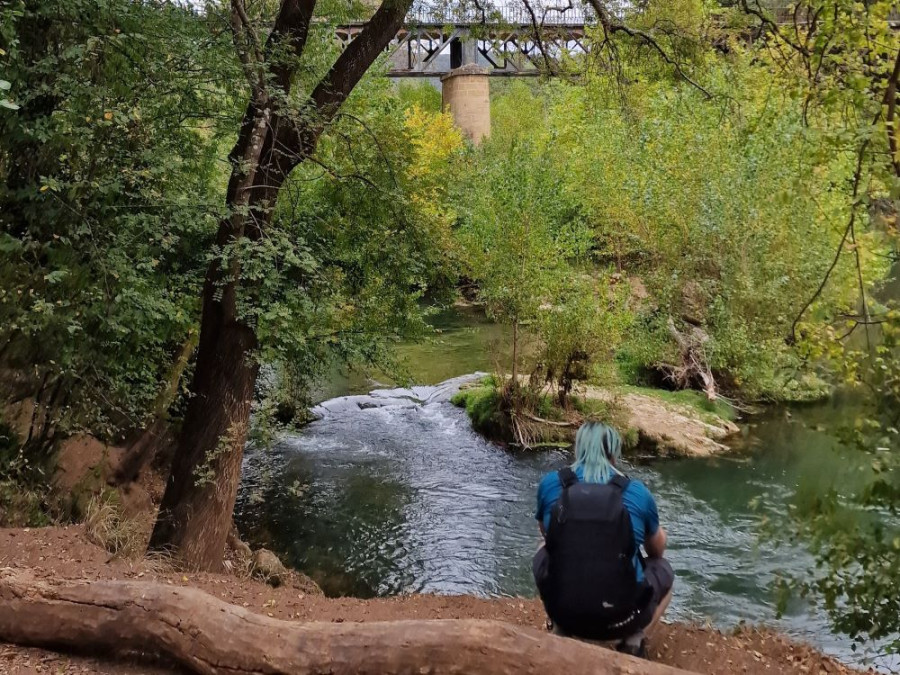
(436, 39)
(509, 39)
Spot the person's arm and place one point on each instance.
(655, 539)
(656, 543)
(541, 506)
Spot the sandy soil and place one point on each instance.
(671, 428)
(64, 552)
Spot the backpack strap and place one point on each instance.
(621, 481)
(567, 479)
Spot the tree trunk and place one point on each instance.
(140, 453)
(195, 513)
(209, 636)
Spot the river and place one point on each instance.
(394, 493)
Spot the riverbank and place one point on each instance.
(65, 553)
(664, 423)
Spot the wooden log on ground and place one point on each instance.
(208, 635)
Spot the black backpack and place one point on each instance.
(591, 589)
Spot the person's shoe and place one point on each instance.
(638, 649)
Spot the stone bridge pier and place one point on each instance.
(465, 92)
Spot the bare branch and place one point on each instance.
(769, 23)
(611, 25)
(252, 63)
(862, 288)
(238, 8)
(538, 41)
(857, 179)
(292, 29)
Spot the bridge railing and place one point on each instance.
(801, 14)
(561, 14)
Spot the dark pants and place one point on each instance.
(658, 576)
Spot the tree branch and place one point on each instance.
(772, 26)
(538, 41)
(611, 25)
(857, 178)
(353, 62)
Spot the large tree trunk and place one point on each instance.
(210, 636)
(196, 511)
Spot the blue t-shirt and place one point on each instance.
(636, 498)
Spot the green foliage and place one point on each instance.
(579, 331)
(709, 213)
(422, 95)
(523, 243)
(108, 180)
(736, 207)
(854, 531)
(482, 404)
(112, 183)
(515, 230)
(361, 235)
(842, 60)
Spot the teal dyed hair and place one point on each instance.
(597, 448)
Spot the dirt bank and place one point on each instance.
(64, 552)
(670, 428)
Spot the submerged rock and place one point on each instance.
(267, 567)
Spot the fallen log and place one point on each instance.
(207, 635)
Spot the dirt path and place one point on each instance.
(58, 552)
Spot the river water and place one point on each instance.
(393, 493)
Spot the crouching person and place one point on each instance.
(594, 582)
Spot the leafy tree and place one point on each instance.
(113, 190)
(725, 217)
(580, 331)
(362, 234)
(517, 234)
(713, 215)
(107, 187)
(852, 526)
(842, 61)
